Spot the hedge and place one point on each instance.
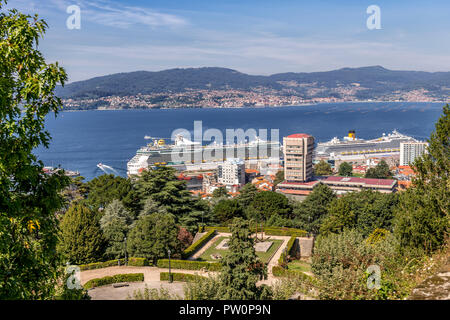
(290, 245)
(123, 277)
(278, 271)
(198, 244)
(185, 277)
(136, 262)
(189, 264)
(270, 231)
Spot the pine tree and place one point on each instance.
(241, 266)
(115, 224)
(81, 239)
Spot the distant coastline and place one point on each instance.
(252, 107)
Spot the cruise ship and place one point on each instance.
(350, 145)
(185, 154)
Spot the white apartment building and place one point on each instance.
(231, 173)
(410, 151)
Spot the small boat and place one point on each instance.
(147, 137)
(100, 165)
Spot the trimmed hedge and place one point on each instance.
(198, 244)
(270, 231)
(136, 262)
(123, 277)
(177, 276)
(189, 264)
(290, 245)
(278, 271)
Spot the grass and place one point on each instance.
(264, 256)
(299, 265)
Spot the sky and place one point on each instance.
(256, 37)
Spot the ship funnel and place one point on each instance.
(351, 134)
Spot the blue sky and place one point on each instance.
(255, 37)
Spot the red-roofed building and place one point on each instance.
(340, 185)
(298, 151)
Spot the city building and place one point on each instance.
(298, 152)
(409, 151)
(231, 173)
(340, 185)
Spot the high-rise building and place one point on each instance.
(231, 173)
(298, 151)
(410, 151)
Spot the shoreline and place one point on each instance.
(253, 107)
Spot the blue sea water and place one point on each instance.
(81, 139)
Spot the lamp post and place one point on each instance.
(170, 274)
(126, 262)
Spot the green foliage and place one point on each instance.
(115, 224)
(322, 168)
(270, 231)
(220, 192)
(380, 171)
(108, 187)
(314, 209)
(28, 197)
(227, 209)
(202, 288)
(189, 264)
(345, 169)
(279, 177)
(123, 277)
(340, 263)
(198, 244)
(133, 261)
(185, 277)
(241, 268)
(81, 239)
(152, 235)
(64, 293)
(154, 294)
(246, 195)
(365, 210)
(268, 203)
(422, 219)
(279, 271)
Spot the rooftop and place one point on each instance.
(299, 135)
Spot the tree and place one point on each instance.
(247, 194)
(107, 187)
(422, 218)
(81, 239)
(115, 224)
(241, 268)
(380, 171)
(268, 203)
(163, 187)
(365, 210)
(185, 237)
(279, 177)
(28, 197)
(220, 192)
(227, 209)
(345, 169)
(312, 211)
(152, 235)
(322, 168)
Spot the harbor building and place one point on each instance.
(409, 151)
(231, 173)
(298, 152)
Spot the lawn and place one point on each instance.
(264, 256)
(299, 265)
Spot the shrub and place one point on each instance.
(185, 277)
(198, 244)
(189, 265)
(124, 277)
